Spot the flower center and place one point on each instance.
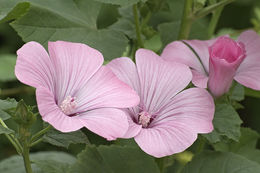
(144, 119)
(68, 105)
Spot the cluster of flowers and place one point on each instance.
(146, 100)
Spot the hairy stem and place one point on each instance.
(26, 158)
(137, 26)
(186, 20)
(214, 21)
(12, 139)
(40, 133)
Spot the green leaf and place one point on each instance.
(153, 43)
(226, 124)
(246, 146)
(221, 162)
(7, 63)
(237, 92)
(5, 105)
(55, 161)
(114, 159)
(12, 9)
(4, 130)
(60, 139)
(69, 20)
(121, 2)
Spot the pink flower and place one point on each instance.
(167, 120)
(74, 90)
(219, 61)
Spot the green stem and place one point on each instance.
(205, 11)
(12, 139)
(186, 20)
(36, 142)
(26, 158)
(214, 21)
(137, 26)
(40, 133)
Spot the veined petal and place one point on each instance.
(75, 64)
(52, 114)
(176, 128)
(125, 69)
(249, 70)
(165, 140)
(133, 129)
(193, 108)
(104, 89)
(34, 67)
(160, 80)
(109, 123)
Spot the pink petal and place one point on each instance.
(165, 140)
(133, 129)
(177, 51)
(104, 89)
(249, 70)
(75, 64)
(125, 69)
(199, 79)
(160, 80)
(190, 112)
(34, 67)
(193, 107)
(109, 123)
(52, 114)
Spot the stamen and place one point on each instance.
(68, 105)
(144, 119)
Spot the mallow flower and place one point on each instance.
(217, 62)
(168, 118)
(74, 90)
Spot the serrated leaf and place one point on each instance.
(221, 162)
(246, 146)
(7, 63)
(114, 159)
(226, 124)
(60, 139)
(237, 92)
(5, 105)
(12, 9)
(4, 130)
(71, 20)
(54, 159)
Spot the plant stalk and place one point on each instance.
(186, 21)
(40, 133)
(137, 26)
(214, 21)
(26, 158)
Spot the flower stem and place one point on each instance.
(26, 158)
(214, 20)
(36, 142)
(137, 27)
(12, 139)
(40, 133)
(186, 21)
(205, 11)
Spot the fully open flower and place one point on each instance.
(167, 120)
(217, 62)
(74, 90)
